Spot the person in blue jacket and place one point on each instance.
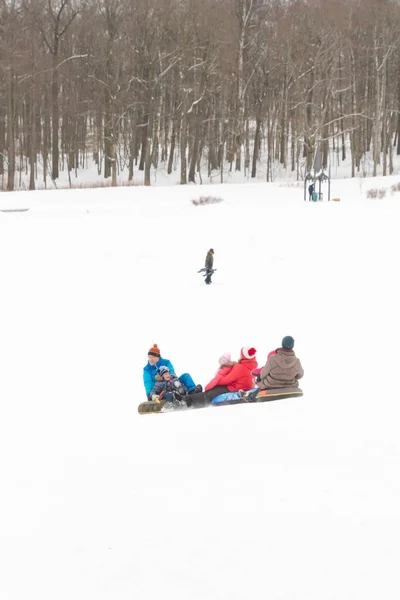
(151, 372)
(311, 189)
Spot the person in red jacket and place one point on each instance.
(225, 366)
(239, 378)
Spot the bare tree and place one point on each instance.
(53, 18)
(188, 83)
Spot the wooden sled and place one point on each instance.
(150, 406)
(278, 394)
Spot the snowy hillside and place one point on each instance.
(291, 500)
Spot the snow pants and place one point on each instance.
(204, 398)
(187, 380)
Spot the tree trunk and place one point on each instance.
(171, 149)
(32, 144)
(256, 147)
(132, 152)
(310, 141)
(113, 151)
(10, 132)
(46, 146)
(247, 148)
(147, 160)
(55, 116)
(195, 149)
(144, 130)
(384, 122)
(2, 140)
(376, 147)
(283, 144)
(183, 143)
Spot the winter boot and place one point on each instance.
(248, 397)
(197, 389)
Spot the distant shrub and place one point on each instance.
(207, 200)
(375, 193)
(395, 188)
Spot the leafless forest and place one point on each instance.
(206, 85)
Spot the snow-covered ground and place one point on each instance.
(292, 500)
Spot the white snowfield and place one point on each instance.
(290, 500)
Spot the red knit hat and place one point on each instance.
(248, 352)
(154, 350)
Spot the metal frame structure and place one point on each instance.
(317, 179)
(317, 175)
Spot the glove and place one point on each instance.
(155, 398)
(179, 387)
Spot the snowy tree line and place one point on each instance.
(132, 83)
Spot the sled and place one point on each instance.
(228, 398)
(278, 394)
(207, 274)
(263, 396)
(150, 406)
(7, 210)
(209, 271)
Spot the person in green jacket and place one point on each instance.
(209, 265)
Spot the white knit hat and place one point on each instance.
(224, 358)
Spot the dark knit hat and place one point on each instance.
(163, 370)
(154, 350)
(211, 250)
(288, 342)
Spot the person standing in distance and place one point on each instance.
(209, 265)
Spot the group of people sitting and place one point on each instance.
(281, 370)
